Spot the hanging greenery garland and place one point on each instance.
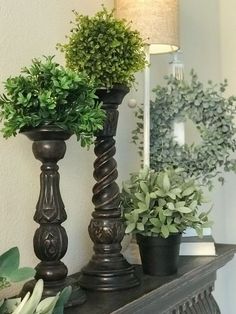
(212, 114)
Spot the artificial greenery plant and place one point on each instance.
(46, 93)
(213, 115)
(10, 272)
(162, 203)
(105, 48)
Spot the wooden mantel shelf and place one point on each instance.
(190, 291)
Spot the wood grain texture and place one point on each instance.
(189, 291)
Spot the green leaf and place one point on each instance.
(170, 206)
(21, 274)
(165, 231)
(140, 226)
(63, 299)
(193, 205)
(153, 195)
(184, 210)
(188, 191)
(142, 206)
(173, 229)
(147, 200)
(31, 305)
(166, 182)
(9, 262)
(156, 230)
(144, 187)
(130, 227)
(140, 196)
(47, 305)
(156, 222)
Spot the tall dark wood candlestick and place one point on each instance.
(107, 270)
(50, 239)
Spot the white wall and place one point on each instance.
(208, 44)
(31, 29)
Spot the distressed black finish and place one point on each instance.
(107, 270)
(159, 256)
(187, 292)
(50, 239)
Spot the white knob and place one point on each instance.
(132, 103)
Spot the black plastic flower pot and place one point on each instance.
(159, 256)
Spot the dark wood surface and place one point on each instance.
(156, 294)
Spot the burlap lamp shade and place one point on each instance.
(156, 20)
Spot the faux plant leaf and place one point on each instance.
(166, 182)
(32, 303)
(11, 304)
(47, 305)
(140, 196)
(21, 274)
(156, 222)
(147, 200)
(193, 205)
(140, 226)
(144, 187)
(153, 195)
(184, 210)
(156, 230)
(173, 229)
(19, 309)
(171, 206)
(165, 231)
(63, 299)
(130, 227)
(188, 191)
(9, 262)
(142, 206)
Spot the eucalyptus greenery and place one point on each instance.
(105, 48)
(46, 93)
(10, 272)
(213, 115)
(161, 204)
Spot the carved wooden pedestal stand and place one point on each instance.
(107, 270)
(50, 239)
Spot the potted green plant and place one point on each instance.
(158, 208)
(10, 273)
(48, 104)
(110, 53)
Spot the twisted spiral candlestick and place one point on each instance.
(107, 270)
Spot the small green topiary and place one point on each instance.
(48, 94)
(105, 48)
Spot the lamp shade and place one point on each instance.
(156, 20)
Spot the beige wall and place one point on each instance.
(31, 28)
(28, 29)
(208, 45)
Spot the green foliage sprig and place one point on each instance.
(47, 93)
(105, 48)
(9, 268)
(31, 304)
(161, 204)
(213, 115)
